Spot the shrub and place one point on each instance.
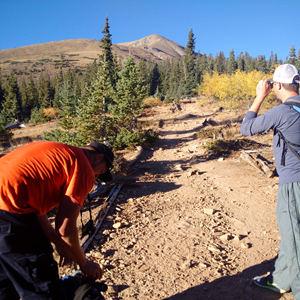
(126, 138)
(208, 133)
(5, 135)
(120, 165)
(151, 101)
(61, 136)
(219, 147)
(37, 116)
(171, 99)
(233, 91)
(50, 112)
(151, 137)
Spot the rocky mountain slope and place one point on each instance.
(157, 46)
(77, 53)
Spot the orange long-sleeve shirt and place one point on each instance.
(33, 178)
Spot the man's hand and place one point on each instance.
(91, 269)
(262, 91)
(55, 239)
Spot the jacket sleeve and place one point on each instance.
(253, 124)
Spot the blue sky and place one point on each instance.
(255, 26)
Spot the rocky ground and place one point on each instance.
(193, 226)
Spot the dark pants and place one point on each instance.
(286, 273)
(27, 268)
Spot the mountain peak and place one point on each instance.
(157, 45)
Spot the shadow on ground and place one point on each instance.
(236, 287)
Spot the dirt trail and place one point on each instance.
(169, 245)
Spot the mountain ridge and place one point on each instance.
(53, 56)
(158, 45)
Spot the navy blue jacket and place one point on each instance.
(286, 119)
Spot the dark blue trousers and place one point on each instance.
(27, 268)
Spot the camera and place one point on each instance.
(270, 83)
(79, 286)
(89, 228)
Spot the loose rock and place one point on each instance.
(244, 245)
(226, 237)
(117, 225)
(209, 211)
(113, 235)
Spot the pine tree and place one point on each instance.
(165, 77)
(261, 64)
(131, 91)
(203, 64)
(270, 64)
(241, 62)
(77, 87)
(29, 96)
(94, 70)
(154, 78)
(144, 73)
(5, 135)
(249, 63)
(210, 64)
(292, 55)
(87, 77)
(275, 59)
(107, 54)
(59, 80)
(232, 66)
(91, 110)
(23, 95)
(198, 68)
(69, 76)
(11, 107)
(220, 63)
(1, 92)
(297, 62)
(68, 103)
(189, 64)
(45, 91)
(176, 77)
(32, 93)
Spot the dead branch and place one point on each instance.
(257, 162)
(102, 214)
(140, 149)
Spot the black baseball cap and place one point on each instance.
(109, 158)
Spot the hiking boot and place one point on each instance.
(266, 282)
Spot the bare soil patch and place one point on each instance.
(194, 226)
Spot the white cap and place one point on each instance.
(286, 74)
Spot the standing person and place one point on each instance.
(34, 179)
(284, 119)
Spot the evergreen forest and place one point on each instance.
(103, 103)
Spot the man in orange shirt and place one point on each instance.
(34, 179)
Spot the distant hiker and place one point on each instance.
(33, 180)
(284, 119)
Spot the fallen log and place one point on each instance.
(101, 189)
(140, 149)
(101, 215)
(258, 162)
(187, 101)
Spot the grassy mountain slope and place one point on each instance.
(77, 53)
(157, 45)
